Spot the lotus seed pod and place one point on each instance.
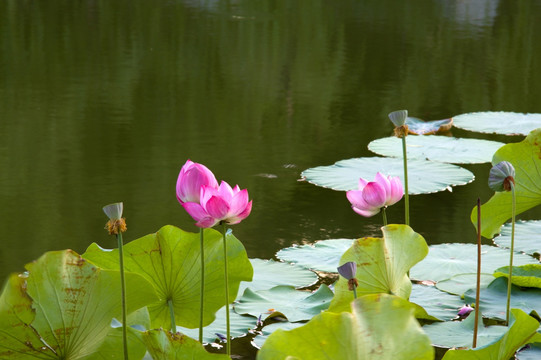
(398, 117)
(501, 176)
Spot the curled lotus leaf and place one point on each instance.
(420, 127)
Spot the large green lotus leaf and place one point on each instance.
(494, 297)
(494, 122)
(530, 352)
(163, 345)
(526, 275)
(527, 236)
(423, 176)
(382, 264)
(239, 326)
(269, 273)
(440, 305)
(74, 303)
(526, 159)
(446, 260)
(259, 340)
(324, 255)
(381, 326)
(438, 148)
(294, 304)
(523, 328)
(461, 283)
(421, 127)
(460, 333)
(169, 259)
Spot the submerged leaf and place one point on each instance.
(526, 159)
(169, 259)
(379, 327)
(438, 148)
(423, 176)
(493, 122)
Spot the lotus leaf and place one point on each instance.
(294, 304)
(527, 237)
(529, 352)
(259, 340)
(461, 283)
(439, 304)
(382, 264)
(526, 275)
(438, 148)
(423, 176)
(498, 122)
(525, 156)
(421, 127)
(380, 326)
(324, 255)
(169, 259)
(446, 260)
(163, 345)
(522, 328)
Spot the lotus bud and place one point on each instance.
(465, 311)
(116, 223)
(348, 271)
(501, 176)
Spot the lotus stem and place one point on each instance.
(202, 291)
(478, 286)
(227, 344)
(172, 315)
(354, 292)
(123, 294)
(384, 216)
(509, 282)
(406, 193)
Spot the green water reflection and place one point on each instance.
(103, 101)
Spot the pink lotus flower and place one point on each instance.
(190, 180)
(372, 196)
(219, 204)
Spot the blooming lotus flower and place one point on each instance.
(372, 196)
(191, 178)
(224, 203)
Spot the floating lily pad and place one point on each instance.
(527, 237)
(294, 304)
(259, 340)
(170, 260)
(438, 148)
(439, 304)
(494, 297)
(529, 352)
(526, 275)
(423, 176)
(460, 333)
(446, 260)
(494, 122)
(525, 156)
(382, 265)
(461, 283)
(324, 255)
(522, 329)
(268, 274)
(421, 127)
(239, 326)
(380, 327)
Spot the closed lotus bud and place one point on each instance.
(501, 176)
(348, 270)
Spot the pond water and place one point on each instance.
(104, 101)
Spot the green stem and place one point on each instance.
(509, 282)
(227, 344)
(478, 287)
(202, 291)
(406, 193)
(123, 294)
(354, 292)
(172, 314)
(384, 216)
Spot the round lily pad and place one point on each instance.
(439, 304)
(421, 127)
(525, 276)
(494, 122)
(324, 255)
(527, 237)
(446, 260)
(269, 273)
(461, 283)
(423, 176)
(438, 148)
(259, 340)
(530, 352)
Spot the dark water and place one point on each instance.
(103, 101)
